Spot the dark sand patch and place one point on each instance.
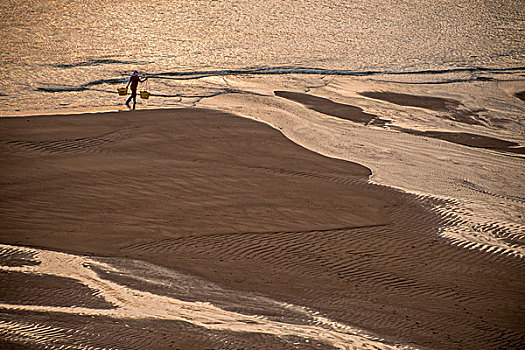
(8, 345)
(234, 202)
(329, 107)
(36, 330)
(29, 289)
(469, 139)
(520, 95)
(454, 109)
(428, 102)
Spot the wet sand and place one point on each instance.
(249, 221)
(469, 139)
(329, 107)
(357, 115)
(451, 109)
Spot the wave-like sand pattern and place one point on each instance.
(21, 288)
(404, 258)
(16, 257)
(133, 304)
(200, 193)
(480, 189)
(73, 146)
(384, 259)
(73, 332)
(464, 229)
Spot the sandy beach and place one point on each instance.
(313, 174)
(193, 228)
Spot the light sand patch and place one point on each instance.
(136, 304)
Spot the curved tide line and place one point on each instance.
(344, 72)
(302, 70)
(193, 75)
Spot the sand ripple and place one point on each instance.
(134, 304)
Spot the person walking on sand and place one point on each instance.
(134, 81)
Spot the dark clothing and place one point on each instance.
(134, 80)
(132, 97)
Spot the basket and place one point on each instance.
(144, 95)
(122, 91)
